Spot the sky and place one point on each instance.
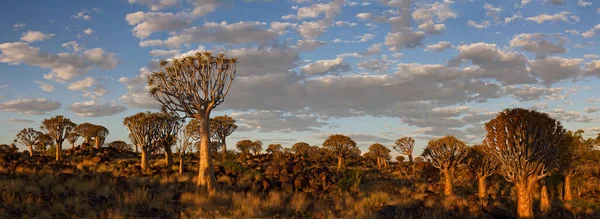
(374, 70)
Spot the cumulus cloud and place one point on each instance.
(64, 66)
(375, 65)
(137, 95)
(155, 5)
(554, 69)
(83, 15)
(326, 66)
(236, 33)
(72, 45)
(399, 40)
(35, 36)
(21, 121)
(539, 43)
(583, 3)
(164, 53)
(591, 109)
(309, 45)
(282, 27)
(592, 32)
(147, 23)
(88, 31)
(439, 47)
(564, 16)
(94, 109)
(30, 106)
(277, 121)
(482, 25)
(45, 86)
(314, 29)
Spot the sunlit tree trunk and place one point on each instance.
(144, 158)
(73, 145)
(58, 149)
(567, 188)
(448, 174)
(410, 159)
(524, 189)
(169, 158)
(378, 163)
(545, 206)
(224, 144)
(340, 163)
(206, 176)
(181, 157)
(30, 150)
(97, 143)
(482, 193)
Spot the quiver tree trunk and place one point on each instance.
(340, 164)
(97, 143)
(448, 176)
(181, 157)
(206, 175)
(378, 163)
(73, 145)
(410, 159)
(545, 206)
(567, 188)
(58, 149)
(224, 145)
(525, 191)
(169, 158)
(30, 150)
(481, 189)
(144, 158)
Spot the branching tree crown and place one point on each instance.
(29, 137)
(480, 162)
(58, 127)
(405, 146)
(446, 152)
(274, 148)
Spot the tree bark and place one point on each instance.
(73, 145)
(340, 163)
(545, 206)
(169, 157)
(58, 149)
(567, 188)
(144, 158)
(224, 144)
(97, 143)
(482, 193)
(448, 190)
(378, 163)
(30, 150)
(410, 159)
(524, 192)
(181, 156)
(206, 174)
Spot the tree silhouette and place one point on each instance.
(256, 147)
(300, 148)
(86, 131)
(72, 138)
(400, 159)
(482, 165)
(58, 127)
(572, 153)
(195, 85)
(220, 128)
(42, 145)
(405, 146)
(100, 133)
(381, 153)
(29, 137)
(145, 132)
(167, 134)
(526, 143)
(342, 147)
(445, 154)
(244, 146)
(274, 148)
(120, 146)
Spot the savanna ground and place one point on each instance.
(107, 183)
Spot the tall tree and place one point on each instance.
(445, 154)
(72, 138)
(86, 131)
(220, 128)
(342, 147)
(29, 137)
(58, 127)
(169, 128)
(121, 146)
(244, 146)
(274, 148)
(574, 149)
(405, 146)
(145, 132)
(381, 153)
(482, 165)
(100, 133)
(256, 147)
(194, 86)
(300, 148)
(526, 143)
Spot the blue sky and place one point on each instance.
(374, 70)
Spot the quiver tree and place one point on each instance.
(145, 131)
(58, 127)
(256, 147)
(100, 133)
(169, 127)
(194, 86)
(526, 143)
(220, 128)
(445, 154)
(121, 146)
(86, 131)
(482, 165)
(72, 138)
(274, 148)
(184, 143)
(300, 148)
(29, 137)
(341, 147)
(573, 150)
(381, 153)
(244, 146)
(405, 146)
(400, 159)
(42, 144)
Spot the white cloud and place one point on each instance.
(155, 5)
(35, 36)
(539, 43)
(236, 33)
(82, 85)
(21, 121)
(94, 109)
(309, 45)
(82, 15)
(366, 37)
(326, 66)
(88, 31)
(345, 24)
(277, 121)
(375, 65)
(64, 66)
(513, 18)
(591, 56)
(164, 53)
(45, 86)
(330, 10)
(72, 45)
(30, 106)
(282, 27)
(583, 3)
(482, 25)
(439, 47)
(147, 23)
(592, 32)
(19, 25)
(554, 69)
(562, 16)
(399, 40)
(591, 109)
